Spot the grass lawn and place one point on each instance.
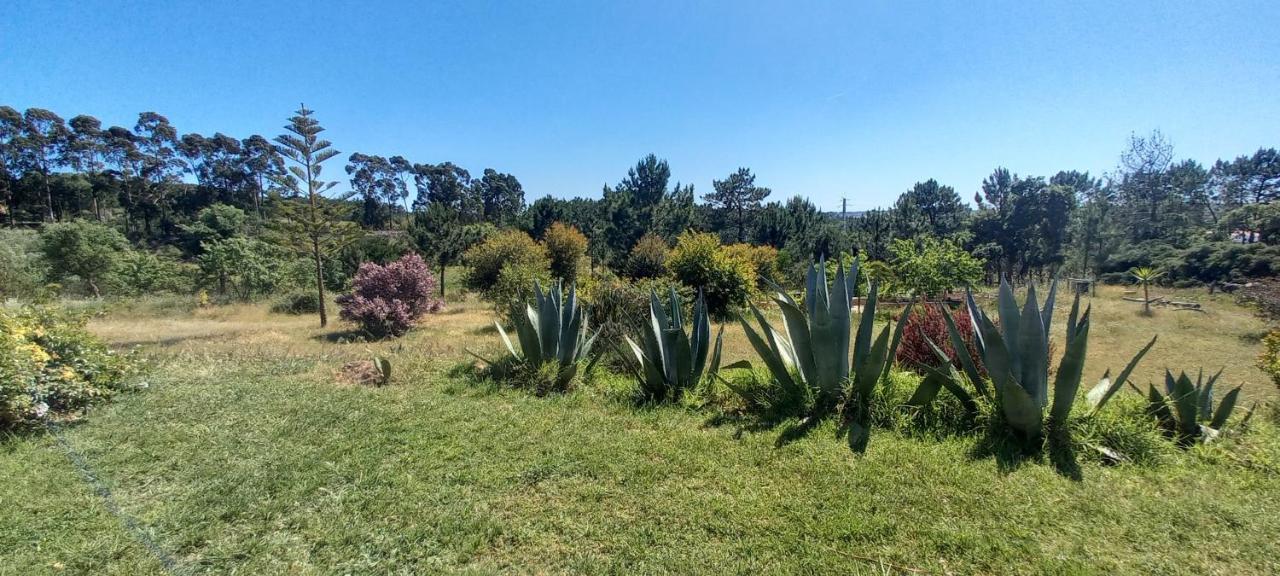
(247, 456)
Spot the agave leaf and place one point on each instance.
(701, 340)
(897, 339)
(823, 347)
(1021, 411)
(685, 372)
(1206, 394)
(1185, 404)
(862, 341)
(1067, 382)
(867, 379)
(1224, 410)
(1032, 357)
(549, 325)
(570, 328)
(798, 334)
(1159, 409)
(928, 389)
(713, 367)
(851, 279)
(996, 359)
(1046, 313)
(962, 352)
(506, 339)
(648, 371)
(527, 333)
(975, 316)
(952, 384)
(1169, 382)
(842, 321)
(772, 359)
(1099, 396)
(587, 344)
(1010, 323)
(1073, 318)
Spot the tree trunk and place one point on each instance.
(48, 197)
(1146, 300)
(97, 294)
(315, 250)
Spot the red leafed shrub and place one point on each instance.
(389, 300)
(914, 352)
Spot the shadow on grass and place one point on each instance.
(351, 336)
(1010, 451)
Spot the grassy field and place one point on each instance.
(248, 455)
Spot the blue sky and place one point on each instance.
(835, 100)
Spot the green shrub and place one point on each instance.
(22, 266)
(244, 268)
(700, 262)
(648, 258)
(620, 306)
(566, 247)
(139, 273)
(50, 365)
(930, 267)
(515, 286)
(86, 250)
(297, 302)
(762, 259)
(512, 249)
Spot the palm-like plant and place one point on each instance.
(811, 359)
(1145, 276)
(1016, 356)
(668, 359)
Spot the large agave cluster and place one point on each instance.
(1015, 353)
(669, 360)
(811, 359)
(552, 331)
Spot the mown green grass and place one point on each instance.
(246, 455)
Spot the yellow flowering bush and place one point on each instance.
(1269, 359)
(49, 364)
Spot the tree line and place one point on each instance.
(1201, 223)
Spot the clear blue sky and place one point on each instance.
(829, 100)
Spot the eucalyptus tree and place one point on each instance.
(500, 195)
(125, 161)
(263, 166)
(311, 223)
(378, 184)
(86, 153)
(10, 156)
(161, 166)
(44, 140)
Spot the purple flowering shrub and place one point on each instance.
(389, 300)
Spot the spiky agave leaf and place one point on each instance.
(1105, 389)
(1224, 410)
(1067, 382)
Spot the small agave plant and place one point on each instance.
(1016, 355)
(551, 331)
(810, 358)
(669, 360)
(1186, 410)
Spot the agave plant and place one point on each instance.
(669, 360)
(551, 331)
(811, 358)
(383, 366)
(1186, 410)
(1016, 356)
